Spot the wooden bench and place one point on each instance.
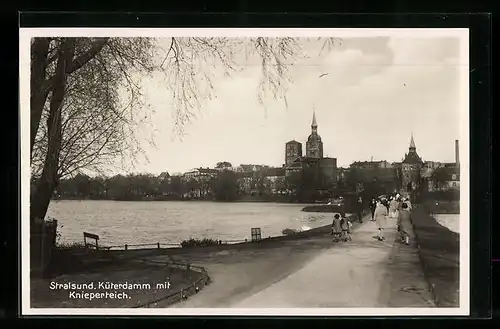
(94, 245)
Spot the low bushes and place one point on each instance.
(289, 231)
(70, 246)
(200, 243)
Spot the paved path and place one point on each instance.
(362, 273)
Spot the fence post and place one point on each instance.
(158, 245)
(126, 247)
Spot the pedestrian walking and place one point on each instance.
(337, 228)
(385, 202)
(408, 204)
(393, 208)
(373, 205)
(345, 225)
(359, 209)
(381, 219)
(404, 224)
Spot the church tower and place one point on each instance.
(314, 145)
(410, 167)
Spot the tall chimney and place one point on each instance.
(457, 158)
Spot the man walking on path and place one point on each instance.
(359, 209)
(373, 205)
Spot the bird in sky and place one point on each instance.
(323, 75)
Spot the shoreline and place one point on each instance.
(77, 260)
(194, 200)
(236, 242)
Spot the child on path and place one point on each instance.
(346, 229)
(337, 228)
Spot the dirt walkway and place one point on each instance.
(361, 273)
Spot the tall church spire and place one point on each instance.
(412, 143)
(314, 145)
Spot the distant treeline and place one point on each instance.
(147, 187)
(225, 186)
(229, 185)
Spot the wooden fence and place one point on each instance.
(159, 245)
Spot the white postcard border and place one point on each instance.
(25, 34)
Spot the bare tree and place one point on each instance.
(86, 94)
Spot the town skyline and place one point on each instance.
(377, 91)
(236, 165)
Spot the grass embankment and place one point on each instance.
(439, 250)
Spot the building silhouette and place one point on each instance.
(319, 168)
(314, 145)
(293, 151)
(411, 167)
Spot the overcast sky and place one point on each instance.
(377, 92)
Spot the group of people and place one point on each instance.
(382, 208)
(341, 228)
(396, 207)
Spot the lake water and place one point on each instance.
(119, 223)
(451, 221)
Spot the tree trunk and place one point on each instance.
(38, 94)
(41, 86)
(49, 178)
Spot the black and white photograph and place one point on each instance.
(244, 171)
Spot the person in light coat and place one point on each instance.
(380, 216)
(393, 208)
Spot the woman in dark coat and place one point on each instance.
(373, 205)
(404, 224)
